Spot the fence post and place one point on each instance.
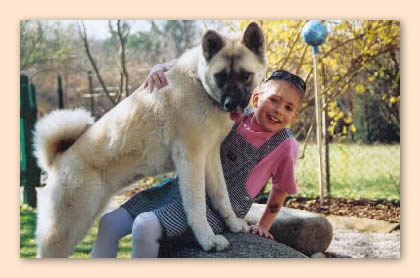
(325, 134)
(30, 173)
(92, 99)
(60, 93)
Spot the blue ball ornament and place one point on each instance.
(314, 33)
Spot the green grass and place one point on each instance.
(28, 244)
(356, 171)
(27, 231)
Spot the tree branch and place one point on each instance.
(35, 44)
(83, 36)
(302, 58)
(295, 41)
(123, 67)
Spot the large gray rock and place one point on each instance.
(304, 231)
(243, 245)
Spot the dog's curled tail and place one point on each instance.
(56, 132)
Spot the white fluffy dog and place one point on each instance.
(179, 127)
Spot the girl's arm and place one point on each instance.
(274, 204)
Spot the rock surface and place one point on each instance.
(307, 232)
(243, 245)
(297, 234)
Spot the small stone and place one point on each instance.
(318, 255)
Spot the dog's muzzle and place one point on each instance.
(235, 102)
(230, 105)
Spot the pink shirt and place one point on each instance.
(279, 164)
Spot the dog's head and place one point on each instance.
(232, 67)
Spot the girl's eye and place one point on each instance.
(289, 108)
(274, 100)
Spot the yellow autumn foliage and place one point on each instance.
(351, 47)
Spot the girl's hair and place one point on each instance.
(293, 79)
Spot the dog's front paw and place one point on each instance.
(215, 242)
(237, 225)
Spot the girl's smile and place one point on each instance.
(274, 119)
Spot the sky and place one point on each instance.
(98, 29)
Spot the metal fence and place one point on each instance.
(354, 171)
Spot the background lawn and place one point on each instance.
(356, 171)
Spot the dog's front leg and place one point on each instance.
(190, 165)
(217, 191)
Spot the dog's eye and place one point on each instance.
(221, 77)
(245, 76)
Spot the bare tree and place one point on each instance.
(29, 44)
(122, 37)
(83, 36)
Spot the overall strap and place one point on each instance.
(275, 141)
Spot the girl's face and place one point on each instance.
(276, 107)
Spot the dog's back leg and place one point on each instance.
(66, 215)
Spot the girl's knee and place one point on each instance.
(107, 221)
(146, 226)
(115, 223)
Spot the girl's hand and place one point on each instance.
(156, 77)
(258, 230)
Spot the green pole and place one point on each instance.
(22, 154)
(28, 113)
(23, 107)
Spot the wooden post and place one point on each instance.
(60, 93)
(318, 130)
(315, 33)
(92, 99)
(30, 173)
(326, 160)
(325, 136)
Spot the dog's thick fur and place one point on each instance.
(179, 127)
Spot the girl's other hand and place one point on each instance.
(156, 77)
(258, 230)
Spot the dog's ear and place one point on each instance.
(212, 43)
(253, 38)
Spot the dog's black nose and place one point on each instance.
(229, 104)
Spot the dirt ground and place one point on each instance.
(356, 244)
(371, 209)
(362, 228)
